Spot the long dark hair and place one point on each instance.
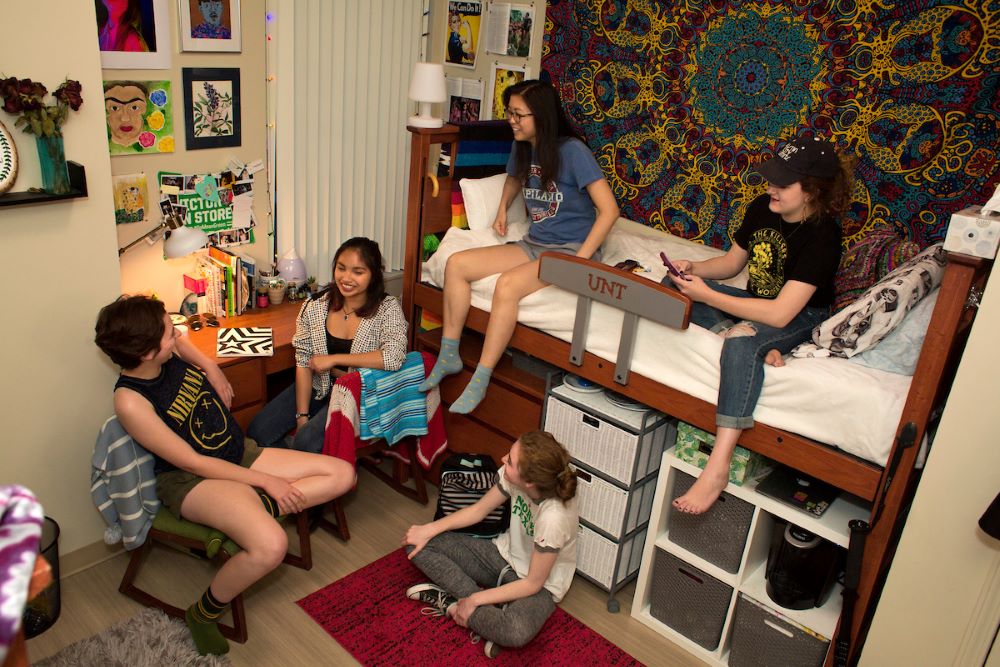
(371, 255)
(551, 128)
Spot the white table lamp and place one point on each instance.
(427, 87)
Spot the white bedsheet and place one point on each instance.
(830, 400)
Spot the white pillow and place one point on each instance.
(482, 199)
(899, 351)
(878, 311)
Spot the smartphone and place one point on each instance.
(670, 267)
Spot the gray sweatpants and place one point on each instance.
(463, 565)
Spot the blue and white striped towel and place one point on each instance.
(391, 405)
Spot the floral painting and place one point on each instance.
(139, 117)
(211, 107)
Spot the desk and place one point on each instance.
(248, 375)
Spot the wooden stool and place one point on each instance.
(195, 537)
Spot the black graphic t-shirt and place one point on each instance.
(183, 397)
(808, 252)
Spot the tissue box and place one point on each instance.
(694, 446)
(974, 232)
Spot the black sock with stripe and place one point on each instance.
(203, 621)
(270, 504)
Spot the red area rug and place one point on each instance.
(368, 613)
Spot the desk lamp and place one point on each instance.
(183, 240)
(427, 87)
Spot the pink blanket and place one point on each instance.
(342, 422)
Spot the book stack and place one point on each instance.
(224, 282)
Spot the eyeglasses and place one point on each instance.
(517, 117)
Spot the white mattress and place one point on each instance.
(833, 401)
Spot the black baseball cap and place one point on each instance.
(801, 157)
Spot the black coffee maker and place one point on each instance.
(801, 568)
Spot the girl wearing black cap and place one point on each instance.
(790, 241)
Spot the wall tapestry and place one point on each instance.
(679, 100)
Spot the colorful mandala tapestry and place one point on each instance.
(679, 99)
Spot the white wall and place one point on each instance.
(941, 603)
(61, 266)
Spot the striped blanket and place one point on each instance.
(343, 420)
(391, 405)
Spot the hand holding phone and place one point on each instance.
(670, 267)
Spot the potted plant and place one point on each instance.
(276, 290)
(312, 284)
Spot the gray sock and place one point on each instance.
(448, 363)
(474, 393)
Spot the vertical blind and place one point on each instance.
(342, 71)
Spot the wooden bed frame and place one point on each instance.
(514, 402)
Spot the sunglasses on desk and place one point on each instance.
(197, 322)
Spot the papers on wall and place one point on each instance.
(220, 204)
(462, 34)
(465, 100)
(509, 28)
(502, 77)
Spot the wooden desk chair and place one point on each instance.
(167, 529)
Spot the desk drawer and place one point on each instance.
(247, 378)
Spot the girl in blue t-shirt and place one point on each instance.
(571, 207)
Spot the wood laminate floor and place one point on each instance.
(280, 633)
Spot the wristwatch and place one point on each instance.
(301, 414)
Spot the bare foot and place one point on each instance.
(705, 490)
(775, 359)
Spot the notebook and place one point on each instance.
(800, 491)
(245, 342)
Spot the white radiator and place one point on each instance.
(341, 150)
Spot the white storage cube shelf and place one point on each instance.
(748, 581)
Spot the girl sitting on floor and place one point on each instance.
(504, 589)
(352, 324)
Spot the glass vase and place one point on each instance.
(52, 158)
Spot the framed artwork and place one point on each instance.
(140, 117)
(130, 198)
(133, 34)
(211, 107)
(210, 25)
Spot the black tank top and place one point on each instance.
(336, 345)
(185, 400)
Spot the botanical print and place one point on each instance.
(213, 108)
(139, 116)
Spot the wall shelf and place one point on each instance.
(78, 188)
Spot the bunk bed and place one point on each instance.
(514, 401)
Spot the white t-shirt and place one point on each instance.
(549, 526)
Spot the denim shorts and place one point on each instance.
(173, 486)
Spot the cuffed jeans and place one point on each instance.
(278, 418)
(742, 360)
(463, 565)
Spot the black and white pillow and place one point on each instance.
(879, 310)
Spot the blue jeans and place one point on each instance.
(278, 418)
(742, 361)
